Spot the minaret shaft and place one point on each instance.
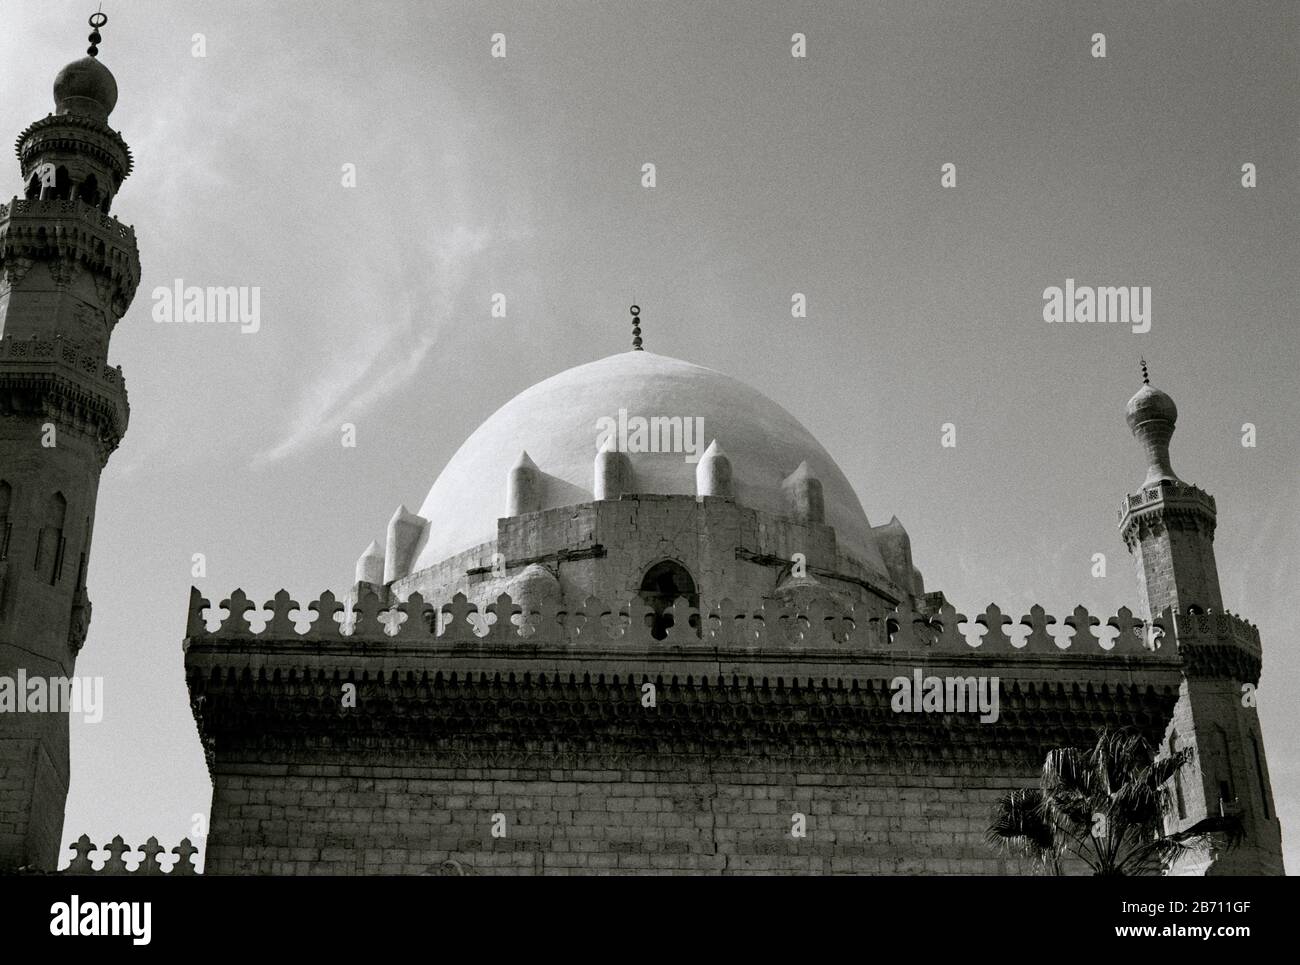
(68, 271)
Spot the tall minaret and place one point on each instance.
(68, 271)
(1168, 526)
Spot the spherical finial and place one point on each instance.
(636, 327)
(1146, 376)
(96, 21)
(86, 86)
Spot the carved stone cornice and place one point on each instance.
(73, 231)
(1221, 661)
(55, 380)
(492, 712)
(74, 133)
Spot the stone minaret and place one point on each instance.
(68, 271)
(1168, 526)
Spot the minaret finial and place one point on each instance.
(1146, 376)
(97, 20)
(636, 327)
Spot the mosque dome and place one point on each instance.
(86, 87)
(1149, 405)
(557, 422)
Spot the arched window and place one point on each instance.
(89, 190)
(6, 523)
(62, 190)
(51, 544)
(1259, 773)
(1227, 788)
(1178, 779)
(662, 584)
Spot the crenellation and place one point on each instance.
(114, 858)
(726, 625)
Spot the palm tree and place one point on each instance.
(1106, 806)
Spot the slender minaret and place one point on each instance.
(68, 271)
(1168, 526)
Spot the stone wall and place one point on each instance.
(32, 794)
(642, 817)
(603, 748)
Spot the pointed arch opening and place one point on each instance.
(89, 191)
(1259, 776)
(62, 190)
(661, 585)
(6, 520)
(52, 542)
(1227, 787)
(1179, 800)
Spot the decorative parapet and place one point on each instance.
(597, 625)
(43, 351)
(1169, 493)
(114, 858)
(567, 683)
(75, 230)
(68, 210)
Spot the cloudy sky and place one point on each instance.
(775, 175)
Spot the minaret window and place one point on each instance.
(51, 544)
(89, 191)
(1226, 792)
(62, 190)
(1259, 773)
(1178, 779)
(6, 524)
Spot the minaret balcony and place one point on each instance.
(1170, 494)
(1214, 644)
(55, 374)
(71, 229)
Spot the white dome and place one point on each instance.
(556, 422)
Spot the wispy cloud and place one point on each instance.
(372, 365)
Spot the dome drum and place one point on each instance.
(605, 548)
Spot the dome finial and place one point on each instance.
(1146, 376)
(1151, 416)
(97, 20)
(636, 327)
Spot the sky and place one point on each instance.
(819, 175)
